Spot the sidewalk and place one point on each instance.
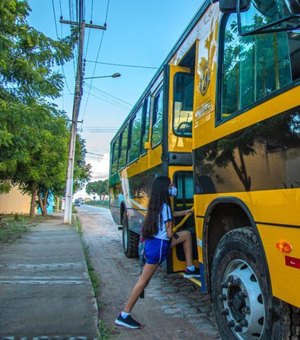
(45, 290)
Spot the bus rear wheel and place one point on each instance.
(130, 240)
(242, 299)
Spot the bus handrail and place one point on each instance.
(179, 225)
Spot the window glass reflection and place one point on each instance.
(183, 104)
(157, 119)
(135, 140)
(254, 66)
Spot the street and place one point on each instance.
(173, 307)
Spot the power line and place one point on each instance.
(71, 17)
(56, 29)
(89, 34)
(107, 9)
(94, 71)
(92, 9)
(120, 106)
(96, 155)
(110, 95)
(101, 129)
(122, 65)
(97, 57)
(60, 7)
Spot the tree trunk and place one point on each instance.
(43, 203)
(33, 199)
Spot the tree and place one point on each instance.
(99, 188)
(28, 57)
(34, 135)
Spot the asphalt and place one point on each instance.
(45, 290)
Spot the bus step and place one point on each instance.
(195, 280)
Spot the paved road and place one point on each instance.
(173, 307)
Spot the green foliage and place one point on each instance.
(82, 171)
(34, 135)
(12, 228)
(27, 56)
(99, 188)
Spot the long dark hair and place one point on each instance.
(159, 195)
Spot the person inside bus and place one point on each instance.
(159, 238)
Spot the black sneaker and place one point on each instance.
(128, 322)
(191, 273)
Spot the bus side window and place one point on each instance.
(123, 148)
(115, 156)
(145, 124)
(157, 120)
(135, 137)
(253, 66)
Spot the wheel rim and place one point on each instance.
(125, 237)
(242, 300)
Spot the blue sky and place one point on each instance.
(139, 33)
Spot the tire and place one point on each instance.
(241, 293)
(130, 240)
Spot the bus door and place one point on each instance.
(183, 181)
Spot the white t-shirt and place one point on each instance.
(165, 216)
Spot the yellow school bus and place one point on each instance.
(149, 144)
(239, 135)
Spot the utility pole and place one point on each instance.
(76, 108)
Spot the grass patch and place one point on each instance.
(93, 275)
(13, 227)
(105, 331)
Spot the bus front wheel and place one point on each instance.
(241, 293)
(130, 239)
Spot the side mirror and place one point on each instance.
(147, 145)
(293, 6)
(231, 6)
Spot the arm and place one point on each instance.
(169, 226)
(182, 213)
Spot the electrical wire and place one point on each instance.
(97, 57)
(71, 14)
(108, 101)
(60, 6)
(107, 9)
(122, 65)
(89, 34)
(101, 130)
(110, 95)
(62, 68)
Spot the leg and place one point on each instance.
(147, 273)
(185, 238)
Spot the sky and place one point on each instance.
(138, 38)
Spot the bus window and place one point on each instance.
(123, 148)
(115, 156)
(185, 190)
(157, 120)
(254, 66)
(183, 104)
(145, 123)
(135, 137)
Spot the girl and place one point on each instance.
(159, 238)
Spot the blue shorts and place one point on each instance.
(156, 250)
